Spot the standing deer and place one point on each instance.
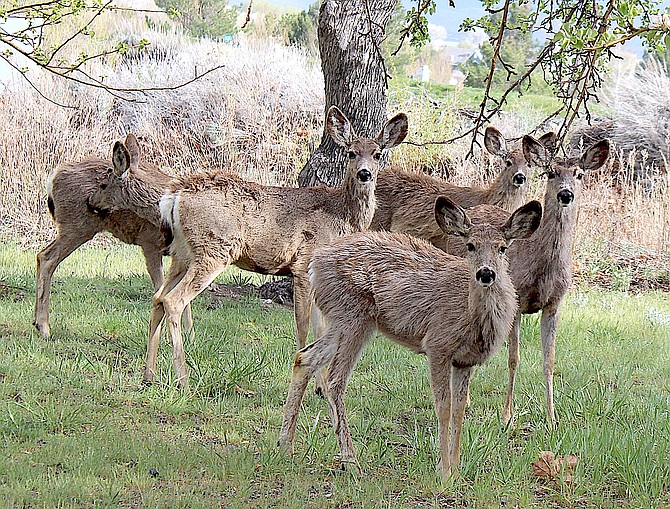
(69, 190)
(455, 311)
(405, 199)
(216, 219)
(542, 266)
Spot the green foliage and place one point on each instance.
(417, 22)
(212, 18)
(299, 29)
(578, 40)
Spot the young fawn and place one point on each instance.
(217, 219)
(455, 311)
(69, 190)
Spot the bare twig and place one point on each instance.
(248, 18)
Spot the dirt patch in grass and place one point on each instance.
(278, 292)
(636, 272)
(11, 293)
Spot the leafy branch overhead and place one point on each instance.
(577, 43)
(27, 38)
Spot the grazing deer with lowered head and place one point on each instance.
(405, 199)
(216, 219)
(69, 190)
(455, 311)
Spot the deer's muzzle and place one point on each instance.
(486, 276)
(565, 197)
(364, 175)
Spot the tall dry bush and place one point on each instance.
(259, 115)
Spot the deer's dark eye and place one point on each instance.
(103, 186)
(352, 154)
(551, 175)
(508, 163)
(470, 246)
(502, 249)
(377, 156)
(579, 176)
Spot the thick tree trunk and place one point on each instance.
(350, 38)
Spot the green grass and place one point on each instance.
(78, 428)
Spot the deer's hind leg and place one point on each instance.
(175, 275)
(200, 273)
(352, 336)
(47, 261)
(307, 361)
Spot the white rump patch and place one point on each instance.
(50, 184)
(168, 207)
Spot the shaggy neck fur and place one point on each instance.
(491, 312)
(359, 199)
(143, 197)
(556, 231)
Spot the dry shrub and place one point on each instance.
(260, 116)
(250, 116)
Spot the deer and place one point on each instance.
(541, 266)
(216, 219)
(456, 311)
(69, 189)
(405, 199)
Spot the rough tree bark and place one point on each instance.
(350, 37)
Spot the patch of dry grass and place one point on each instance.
(260, 116)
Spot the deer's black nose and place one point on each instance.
(364, 175)
(519, 179)
(486, 276)
(565, 197)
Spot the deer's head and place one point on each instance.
(364, 153)
(516, 161)
(564, 176)
(110, 193)
(486, 244)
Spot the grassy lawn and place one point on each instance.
(80, 430)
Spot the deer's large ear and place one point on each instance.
(451, 218)
(535, 152)
(494, 142)
(120, 159)
(595, 156)
(524, 221)
(550, 141)
(339, 127)
(393, 133)
(133, 149)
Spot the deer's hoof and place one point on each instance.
(43, 329)
(347, 464)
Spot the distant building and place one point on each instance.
(423, 73)
(459, 56)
